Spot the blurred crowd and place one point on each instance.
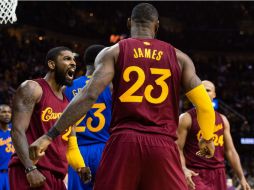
(22, 58)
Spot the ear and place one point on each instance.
(214, 95)
(129, 23)
(51, 64)
(157, 26)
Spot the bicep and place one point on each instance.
(25, 99)
(182, 130)
(105, 67)
(189, 77)
(228, 141)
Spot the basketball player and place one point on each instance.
(92, 131)
(202, 173)
(6, 147)
(147, 73)
(37, 105)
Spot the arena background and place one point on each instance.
(218, 36)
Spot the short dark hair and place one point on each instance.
(4, 105)
(144, 13)
(54, 52)
(91, 53)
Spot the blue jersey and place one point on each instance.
(6, 148)
(94, 126)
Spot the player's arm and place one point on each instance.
(73, 155)
(83, 101)
(232, 155)
(75, 159)
(197, 94)
(182, 131)
(27, 95)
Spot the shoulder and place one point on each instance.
(185, 115)
(185, 119)
(109, 53)
(30, 85)
(225, 120)
(31, 89)
(182, 58)
(222, 116)
(113, 49)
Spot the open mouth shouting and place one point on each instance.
(70, 74)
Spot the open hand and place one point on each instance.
(188, 176)
(244, 184)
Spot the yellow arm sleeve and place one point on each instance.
(205, 112)
(73, 154)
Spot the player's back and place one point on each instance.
(93, 128)
(146, 87)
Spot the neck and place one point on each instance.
(139, 31)
(50, 78)
(4, 126)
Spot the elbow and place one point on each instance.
(206, 111)
(15, 134)
(206, 108)
(92, 96)
(231, 155)
(12, 135)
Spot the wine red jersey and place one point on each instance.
(146, 87)
(45, 114)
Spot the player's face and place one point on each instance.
(65, 68)
(5, 114)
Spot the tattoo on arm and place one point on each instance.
(79, 106)
(23, 105)
(24, 100)
(194, 81)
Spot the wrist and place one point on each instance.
(208, 140)
(184, 169)
(48, 137)
(52, 133)
(30, 168)
(242, 178)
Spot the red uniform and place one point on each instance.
(211, 171)
(54, 164)
(141, 153)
